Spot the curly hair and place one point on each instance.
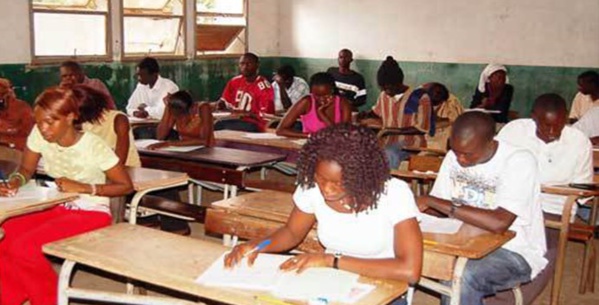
(363, 164)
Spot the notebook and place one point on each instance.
(144, 143)
(262, 136)
(264, 275)
(432, 224)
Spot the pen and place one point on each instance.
(429, 242)
(259, 247)
(3, 178)
(270, 300)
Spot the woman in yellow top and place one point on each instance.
(192, 121)
(112, 126)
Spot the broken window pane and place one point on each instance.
(165, 36)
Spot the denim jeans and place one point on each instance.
(235, 124)
(396, 154)
(500, 270)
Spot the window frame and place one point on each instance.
(221, 54)
(138, 56)
(43, 59)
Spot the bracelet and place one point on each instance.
(19, 176)
(93, 193)
(336, 258)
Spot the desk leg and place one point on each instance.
(134, 205)
(456, 285)
(64, 281)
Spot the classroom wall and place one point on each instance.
(205, 78)
(545, 43)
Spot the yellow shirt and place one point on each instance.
(581, 104)
(85, 162)
(105, 130)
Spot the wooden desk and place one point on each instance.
(22, 207)
(258, 214)
(137, 122)
(221, 165)
(289, 147)
(164, 260)
(564, 226)
(596, 158)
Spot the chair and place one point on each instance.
(423, 163)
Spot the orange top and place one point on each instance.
(16, 121)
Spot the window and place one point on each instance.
(70, 28)
(221, 27)
(153, 28)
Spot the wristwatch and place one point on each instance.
(336, 257)
(455, 204)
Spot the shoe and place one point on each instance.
(174, 225)
(152, 221)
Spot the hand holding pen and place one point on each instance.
(8, 188)
(249, 250)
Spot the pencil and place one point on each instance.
(429, 242)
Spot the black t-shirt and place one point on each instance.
(351, 86)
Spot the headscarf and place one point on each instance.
(487, 71)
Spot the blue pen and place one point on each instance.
(259, 247)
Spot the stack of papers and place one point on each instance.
(432, 224)
(264, 275)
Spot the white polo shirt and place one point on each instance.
(589, 123)
(566, 160)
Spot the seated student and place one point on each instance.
(192, 121)
(492, 185)
(148, 99)
(322, 108)
(249, 96)
(72, 74)
(110, 125)
(564, 154)
(16, 117)
(445, 115)
(589, 125)
(587, 96)
(288, 88)
(81, 163)
(494, 92)
(350, 83)
(411, 112)
(366, 219)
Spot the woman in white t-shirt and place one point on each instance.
(366, 219)
(80, 163)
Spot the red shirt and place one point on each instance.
(256, 97)
(16, 122)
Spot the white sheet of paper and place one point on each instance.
(482, 110)
(29, 192)
(181, 148)
(262, 135)
(221, 114)
(144, 143)
(432, 224)
(314, 283)
(263, 275)
(300, 141)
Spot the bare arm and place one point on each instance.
(166, 124)
(285, 127)
(27, 168)
(345, 111)
(119, 184)
(496, 221)
(121, 128)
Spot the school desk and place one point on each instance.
(563, 225)
(256, 215)
(165, 260)
(28, 206)
(289, 147)
(221, 165)
(596, 157)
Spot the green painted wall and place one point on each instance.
(206, 78)
(461, 79)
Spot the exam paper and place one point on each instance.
(432, 224)
(263, 136)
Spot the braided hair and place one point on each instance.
(355, 148)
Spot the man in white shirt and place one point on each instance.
(288, 88)
(589, 125)
(148, 99)
(587, 96)
(564, 154)
(492, 185)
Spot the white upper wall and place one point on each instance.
(263, 26)
(14, 26)
(532, 32)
